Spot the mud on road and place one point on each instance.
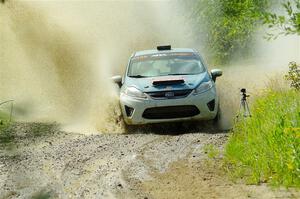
(43, 162)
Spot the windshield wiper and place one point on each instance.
(137, 76)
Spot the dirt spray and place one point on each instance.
(57, 57)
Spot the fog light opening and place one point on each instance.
(211, 105)
(129, 111)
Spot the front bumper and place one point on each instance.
(138, 107)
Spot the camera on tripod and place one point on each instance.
(244, 104)
(244, 94)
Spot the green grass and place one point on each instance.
(4, 117)
(266, 147)
(211, 151)
(5, 135)
(42, 195)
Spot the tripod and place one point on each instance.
(244, 104)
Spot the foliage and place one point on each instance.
(43, 194)
(6, 136)
(226, 27)
(211, 151)
(3, 117)
(294, 75)
(284, 24)
(266, 147)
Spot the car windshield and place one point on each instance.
(164, 64)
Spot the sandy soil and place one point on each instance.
(43, 162)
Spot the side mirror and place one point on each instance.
(216, 73)
(117, 80)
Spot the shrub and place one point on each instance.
(294, 75)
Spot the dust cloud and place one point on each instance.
(265, 68)
(57, 58)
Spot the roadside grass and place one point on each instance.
(43, 194)
(266, 147)
(12, 132)
(4, 118)
(211, 151)
(6, 136)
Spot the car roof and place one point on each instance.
(155, 51)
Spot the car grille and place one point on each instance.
(170, 112)
(170, 94)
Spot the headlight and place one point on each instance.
(203, 87)
(134, 92)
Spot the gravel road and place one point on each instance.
(43, 162)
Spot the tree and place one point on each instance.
(284, 24)
(288, 24)
(226, 27)
(294, 75)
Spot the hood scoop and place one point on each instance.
(167, 81)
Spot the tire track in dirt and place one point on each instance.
(66, 165)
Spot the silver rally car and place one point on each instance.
(166, 85)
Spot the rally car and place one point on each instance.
(167, 85)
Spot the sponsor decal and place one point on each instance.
(164, 56)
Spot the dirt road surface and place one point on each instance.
(43, 162)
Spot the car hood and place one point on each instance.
(146, 84)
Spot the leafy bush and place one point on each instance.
(266, 147)
(284, 24)
(226, 27)
(294, 75)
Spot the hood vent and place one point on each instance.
(167, 82)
